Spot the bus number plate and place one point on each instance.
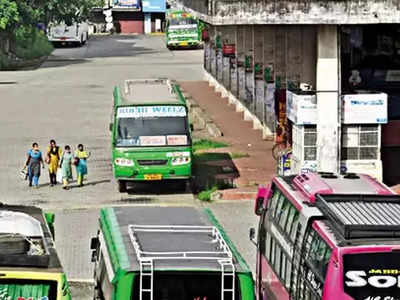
(153, 176)
(183, 43)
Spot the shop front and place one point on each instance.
(370, 61)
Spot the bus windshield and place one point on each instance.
(183, 21)
(152, 131)
(28, 289)
(372, 275)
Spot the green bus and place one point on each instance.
(151, 133)
(29, 265)
(161, 253)
(182, 30)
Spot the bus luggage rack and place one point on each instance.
(362, 216)
(222, 256)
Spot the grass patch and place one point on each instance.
(206, 194)
(204, 144)
(236, 155)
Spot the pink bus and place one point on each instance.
(329, 237)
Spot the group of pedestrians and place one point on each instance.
(58, 161)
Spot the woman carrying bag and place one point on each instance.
(80, 158)
(33, 163)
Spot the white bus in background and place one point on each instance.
(77, 33)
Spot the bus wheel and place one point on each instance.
(122, 186)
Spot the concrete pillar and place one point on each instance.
(233, 65)
(147, 23)
(328, 99)
(258, 72)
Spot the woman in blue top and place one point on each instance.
(33, 163)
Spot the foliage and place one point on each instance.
(204, 144)
(206, 194)
(8, 13)
(32, 43)
(14, 13)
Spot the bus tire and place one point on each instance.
(121, 186)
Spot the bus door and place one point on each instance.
(314, 259)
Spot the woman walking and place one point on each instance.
(80, 158)
(53, 158)
(66, 166)
(33, 164)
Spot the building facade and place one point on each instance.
(130, 16)
(261, 52)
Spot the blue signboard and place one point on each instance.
(154, 5)
(127, 3)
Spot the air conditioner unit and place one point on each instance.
(304, 148)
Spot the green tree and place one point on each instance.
(8, 13)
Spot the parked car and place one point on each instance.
(77, 33)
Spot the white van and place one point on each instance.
(77, 33)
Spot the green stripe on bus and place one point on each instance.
(115, 244)
(235, 252)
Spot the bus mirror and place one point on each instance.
(252, 235)
(94, 243)
(191, 127)
(110, 126)
(261, 203)
(258, 206)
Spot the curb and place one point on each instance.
(233, 195)
(201, 117)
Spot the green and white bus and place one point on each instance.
(151, 134)
(182, 30)
(162, 253)
(29, 265)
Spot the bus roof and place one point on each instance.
(148, 92)
(353, 209)
(26, 222)
(118, 224)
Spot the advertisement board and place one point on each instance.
(127, 3)
(154, 5)
(371, 108)
(371, 275)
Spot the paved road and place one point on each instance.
(69, 99)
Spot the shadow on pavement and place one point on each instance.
(213, 169)
(167, 187)
(89, 183)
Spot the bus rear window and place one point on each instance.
(15, 289)
(372, 275)
(174, 286)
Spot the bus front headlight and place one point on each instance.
(180, 160)
(123, 162)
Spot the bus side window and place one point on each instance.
(274, 202)
(319, 255)
(293, 226)
(284, 214)
(279, 206)
(291, 214)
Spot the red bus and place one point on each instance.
(323, 236)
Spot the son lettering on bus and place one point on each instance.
(358, 279)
